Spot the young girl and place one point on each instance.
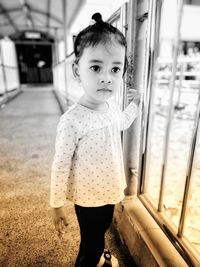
(88, 165)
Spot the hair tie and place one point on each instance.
(92, 22)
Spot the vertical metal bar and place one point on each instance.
(56, 57)
(123, 24)
(131, 46)
(48, 15)
(181, 77)
(171, 107)
(65, 45)
(123, 90)
(189, 171)
(129, 137)
(17, 68)
(152, 52)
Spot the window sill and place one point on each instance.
(146, 242)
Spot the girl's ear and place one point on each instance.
(75, 70)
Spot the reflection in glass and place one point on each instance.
(192, 226)
(178, 125)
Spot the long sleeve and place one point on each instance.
(65, 145)
(128, 116)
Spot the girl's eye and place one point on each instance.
(95, 68)
(115, 69)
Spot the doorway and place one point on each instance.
(35, 63)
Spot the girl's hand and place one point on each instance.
(134, 95)
(60, 219)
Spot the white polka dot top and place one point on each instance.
(88, 165)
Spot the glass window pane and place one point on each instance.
(160, 100)
(156, 146)
(192, 225)
(177, 145)
(178, 155)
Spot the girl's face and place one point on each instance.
(100, 70)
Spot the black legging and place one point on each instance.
(93, 223)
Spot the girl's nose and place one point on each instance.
(103, 81)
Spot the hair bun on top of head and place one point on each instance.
(96, 17)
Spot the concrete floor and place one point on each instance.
(27, 235)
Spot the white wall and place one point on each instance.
(9, 62)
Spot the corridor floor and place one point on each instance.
(27, 235)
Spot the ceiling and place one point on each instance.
(105, 7)
(46, 16)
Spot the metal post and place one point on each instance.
(129, 137)
(189, 171)
(56, 56)
(171, 107)
(131, 42)
(153, 35)
(65, 45)
(181, 77)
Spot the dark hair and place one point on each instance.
(99, 32)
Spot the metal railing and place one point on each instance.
(166, 83)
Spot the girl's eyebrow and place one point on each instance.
(95, 61)
(100, 61)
